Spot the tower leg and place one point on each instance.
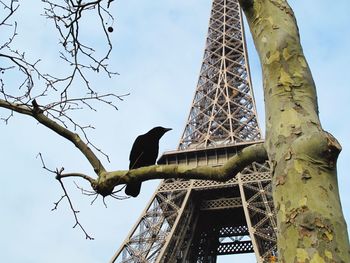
(259, 211)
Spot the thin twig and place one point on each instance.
(75, 212)
(58, 173)
(81, 58)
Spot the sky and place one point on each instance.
(158, 49)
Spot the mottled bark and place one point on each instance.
(253, 153)
(311, 226)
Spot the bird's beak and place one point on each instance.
(168, 129)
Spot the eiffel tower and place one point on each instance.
(198, 220)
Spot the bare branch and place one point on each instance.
(58, 177)
(68, 18)
(11, 8)
(36, 112)
(119, 197)
(57, 203)
(33, 83)
(44, 165)
(83, 191)
(108, 180)
(75, 212)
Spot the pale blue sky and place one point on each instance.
(158, 48)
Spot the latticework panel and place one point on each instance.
(223, 110)
(220, 232)
(178, 244)
(259, 211)
(148, 237)
(222, 203)
(234, 240)
(176, 222)
(175, 185)
(235, 248)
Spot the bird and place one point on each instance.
(144, 152)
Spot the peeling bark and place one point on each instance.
(311, 226)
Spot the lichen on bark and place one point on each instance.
(311, 226)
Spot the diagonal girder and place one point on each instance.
(223, 110)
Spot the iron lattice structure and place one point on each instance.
(223, 110)
(198, 220)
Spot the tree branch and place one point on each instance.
(75, 212)
(38, 114)
(81, 175)
(108, 180)
(82, 56)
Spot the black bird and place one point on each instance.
(144, 152)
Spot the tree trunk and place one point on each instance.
(311, 226)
